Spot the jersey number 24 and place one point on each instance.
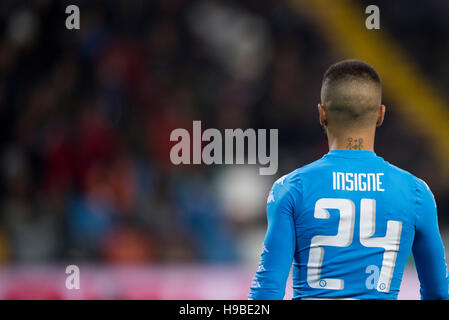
(343, 238)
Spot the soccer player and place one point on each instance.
(349, 220)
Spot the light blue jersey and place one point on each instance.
(348, 222)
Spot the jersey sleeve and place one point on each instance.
(428, 249)
(279, 245)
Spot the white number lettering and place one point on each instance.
(344, 237)
(390, 242)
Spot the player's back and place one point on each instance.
(353, 219)
(354, 223)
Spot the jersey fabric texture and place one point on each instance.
(348, 223)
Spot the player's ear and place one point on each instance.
(323, 115)
(381, 116)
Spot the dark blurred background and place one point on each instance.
(86, 115)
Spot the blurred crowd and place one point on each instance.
(86, 117)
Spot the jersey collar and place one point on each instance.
(351, 153)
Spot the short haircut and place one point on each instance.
(351, 92)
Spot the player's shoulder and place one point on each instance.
(284, 188)
(310, 169)
(287, 179)
(294, 178)
(420, 188)
(410, 177)
(289, 183)
(295, 175)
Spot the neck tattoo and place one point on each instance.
(355, 144)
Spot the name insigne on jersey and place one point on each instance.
(349, 181)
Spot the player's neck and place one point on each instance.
(351, 141)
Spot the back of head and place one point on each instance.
(351, 92)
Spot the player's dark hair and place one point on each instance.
(351, 68)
